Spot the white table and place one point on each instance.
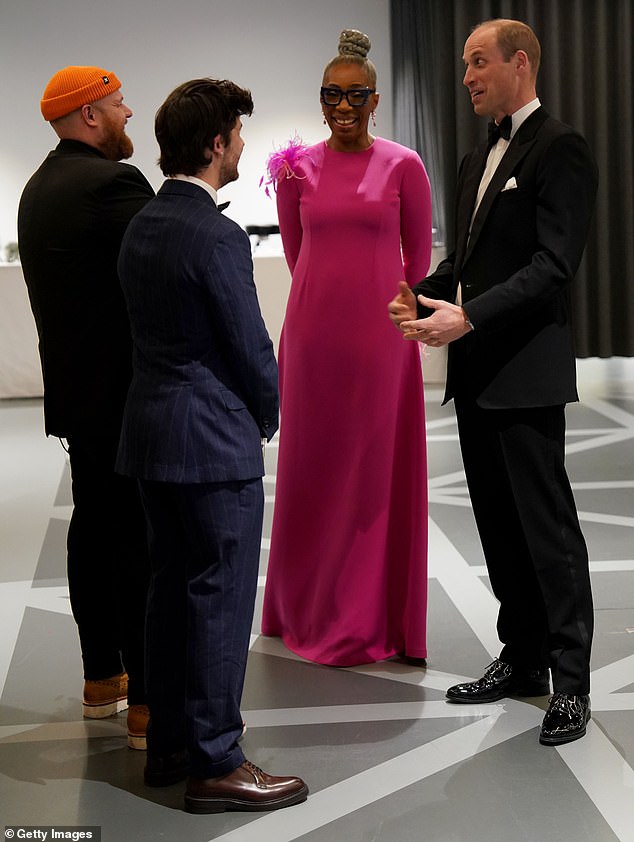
(20, 374)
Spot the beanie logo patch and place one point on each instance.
(105, 80)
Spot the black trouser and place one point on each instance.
(108, 566)
(533, 545)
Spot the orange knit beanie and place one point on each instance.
(73, 87)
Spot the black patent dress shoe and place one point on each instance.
(500, 680)
(166, 770)
(565, 720)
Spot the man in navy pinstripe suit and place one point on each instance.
(203, 398)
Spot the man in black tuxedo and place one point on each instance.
(524, 204)
(72, 216)
(203, 400)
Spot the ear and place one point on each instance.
(375, 101)
(87, 113)
(521, 60)
(218, 147)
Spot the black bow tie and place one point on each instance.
(223, 206)
(503, 129)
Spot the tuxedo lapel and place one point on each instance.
(518, 149)
(468, 194)
(511, 159)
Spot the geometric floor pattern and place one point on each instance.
(386, 758)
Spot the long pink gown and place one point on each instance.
(347, 572)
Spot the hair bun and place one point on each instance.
(354, 43)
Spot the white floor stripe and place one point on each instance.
(54, 599)
(608, 520)
(273, 718)
(449, 493)
(62, 512)
(612, 411)
(603, 485)
(613, 677)
(596, 442)
(613, 702)
(469, 594)
(450, 500)
(595, 431)
(388, 670)
(388, 712)
(606, 778)
(368, 786)
(13, 596)
(81, 729)
(447, 479)
(450, 421)
(611, 566)
(394, 671)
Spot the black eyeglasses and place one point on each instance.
(356, 97)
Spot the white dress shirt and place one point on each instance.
(496, 153)
(193, 180)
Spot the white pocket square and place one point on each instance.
(511, 184)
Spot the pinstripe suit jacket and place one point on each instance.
(204, 387)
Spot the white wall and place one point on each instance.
(277, 48)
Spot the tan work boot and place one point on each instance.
(105, 697)
(138, 716)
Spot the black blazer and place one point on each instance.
(72, 216)
(204, 389)
(516, 267)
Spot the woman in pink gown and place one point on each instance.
(347, 572)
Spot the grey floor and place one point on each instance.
(385, 756)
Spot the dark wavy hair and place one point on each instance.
(191, 117)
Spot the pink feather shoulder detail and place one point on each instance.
(283, 163)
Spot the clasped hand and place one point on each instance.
(445, 324)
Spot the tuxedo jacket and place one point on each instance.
(515, 267)
(72, 216)
(204, 390)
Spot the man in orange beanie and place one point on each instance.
(71, 220)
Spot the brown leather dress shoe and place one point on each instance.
(105, 697)
(138, 718)
(247, 788)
